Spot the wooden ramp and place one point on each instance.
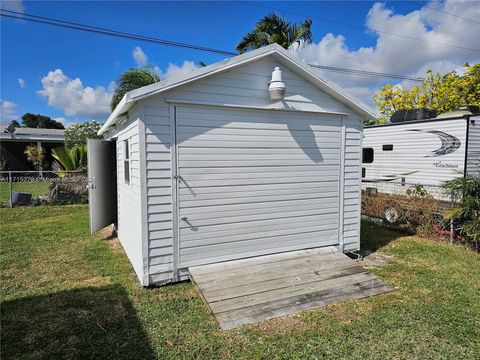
(265, 287)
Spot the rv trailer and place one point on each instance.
(401, 155)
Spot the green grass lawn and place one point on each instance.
(70, 296)
(36, 188)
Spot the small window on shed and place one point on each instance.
(126, 161)
(388, 147)
(367, 155)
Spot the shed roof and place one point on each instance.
(284, 56)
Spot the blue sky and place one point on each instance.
(68, 74)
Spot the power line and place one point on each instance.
(448, 13)
(360, 27)
(366, 73)
(104, 31)
(120, 34)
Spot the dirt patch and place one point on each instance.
(282, 325)
(98, 281)
(375, 259)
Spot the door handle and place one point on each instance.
(184, 218)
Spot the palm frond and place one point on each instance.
(300, 34)
(273, 28)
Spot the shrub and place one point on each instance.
(466, 192)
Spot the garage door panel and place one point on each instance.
(250, 119)
(259, 216)
(260, 188)
(255, 182)
(215, 253)
(259, 235)
(222, 144)
(256, 199)
(299, 136)
(198, 195)
(249, 207)
(199, 156)
(238, 182)
(329, 160)
(262, 213)
(258, 170)
(324, 133)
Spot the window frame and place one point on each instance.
(126, 162)
(370, 149)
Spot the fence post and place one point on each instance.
(10, 188)
(451, 230)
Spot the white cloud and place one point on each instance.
(66, 122)
(73, 97)
(397, 55)
(139, 56)
(174, 70)
(21, 83)
(7, 111)
(13, 5)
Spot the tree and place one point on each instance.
(40, 121)
(439, 92)
(12, 126)
(36, 155)
(130, 80)
(70, 159)
(77, 134)
(275, 29)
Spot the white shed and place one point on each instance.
(206, 167)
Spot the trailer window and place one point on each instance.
(388, 147)
(126, 161)
(367, 155)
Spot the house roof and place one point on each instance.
(33, 134)
(275, 50)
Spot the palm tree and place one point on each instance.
(130, 80)
(275, 29)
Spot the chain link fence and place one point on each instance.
(30, 188)
(412, 207)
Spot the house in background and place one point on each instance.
(13, 145)
(227, 162)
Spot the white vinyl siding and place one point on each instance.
(128, 194)
(248, 86)
(473, 156)
(352, 185)
(159, 193)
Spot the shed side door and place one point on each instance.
(102, 179)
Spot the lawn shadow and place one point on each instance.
(86, 323)
(374, 236)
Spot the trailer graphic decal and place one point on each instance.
(450, 143)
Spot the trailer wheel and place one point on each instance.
(391, 215)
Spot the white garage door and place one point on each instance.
(255, 182)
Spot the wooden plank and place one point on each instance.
(294, 305)
(295, 290)
(303, 278)
(248, 263)
(271, 270)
